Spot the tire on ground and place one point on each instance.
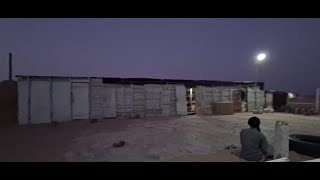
(305, 144)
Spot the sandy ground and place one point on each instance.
(188, 138)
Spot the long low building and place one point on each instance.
(45, 99)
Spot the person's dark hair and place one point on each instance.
(254, 122)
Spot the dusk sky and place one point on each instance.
(199, 49)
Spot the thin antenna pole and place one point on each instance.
(10, 66)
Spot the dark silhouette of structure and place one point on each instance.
(10, 66)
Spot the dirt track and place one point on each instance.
(148, 139)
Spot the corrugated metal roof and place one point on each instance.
(188, 83)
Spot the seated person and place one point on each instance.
(254, 143)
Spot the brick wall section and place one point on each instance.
(173, 99)
(97, 96)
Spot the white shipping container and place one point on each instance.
(40, 101)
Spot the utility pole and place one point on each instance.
(317, 100)
(10, 66)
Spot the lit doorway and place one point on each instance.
(191, 100)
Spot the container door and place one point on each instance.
(61, 101)
(80, 101)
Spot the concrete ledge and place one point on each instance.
(284, 159)
(313, 160)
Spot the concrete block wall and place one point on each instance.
(217, 94)
(97, 98)
(204, 99)
(168, 100)
(206, 96)
(130, 100)
(237, 99)
(109, 107)
(181, 100)
(260, 98)
(255, 97)
(121, 94)
(117, 100)
(138, 101)
(269, 99)
(153, 99)
(226, 94)
(165, 100)
(173, 99)
(102, 99)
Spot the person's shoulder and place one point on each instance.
(261, 134)
(243, 130)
